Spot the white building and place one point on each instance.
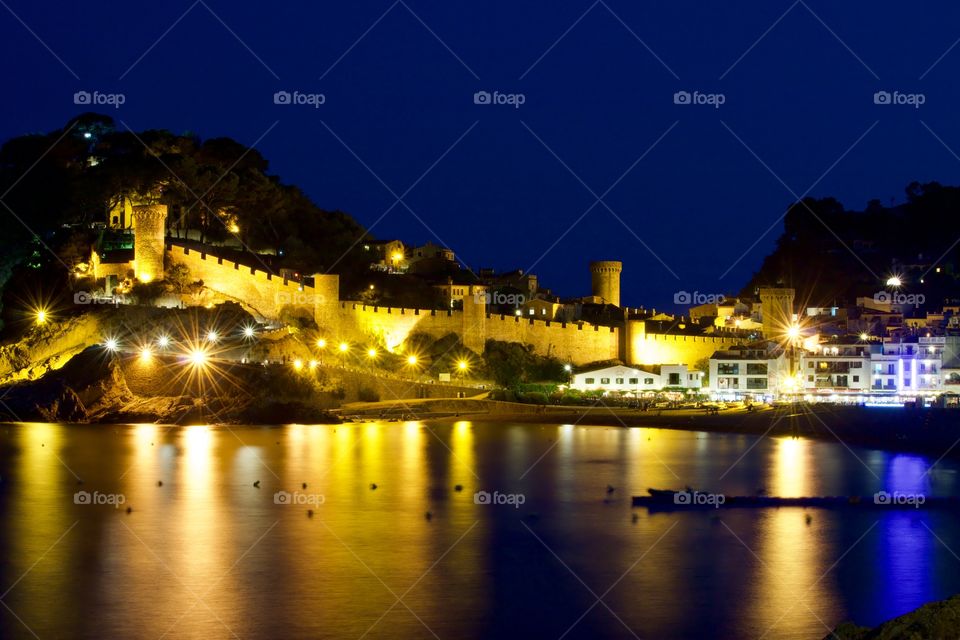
(636, 381)
(743, 372)
(836, 368)
(857, 370)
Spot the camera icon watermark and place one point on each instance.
(86, 297)
(96, 98)
(497, 498)
(698, 499)
(899, 499)
(298, 98)
(714, 100)
(897, 298)
(96, 498)
(685, 297)
(897, 98)
(499, 297)
(297, 498)
(512, 99)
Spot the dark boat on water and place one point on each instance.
(669, 500)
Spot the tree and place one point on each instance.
(506, 362)
(178, 276)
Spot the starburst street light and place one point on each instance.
(344, 347)
(41, 316)
(111, 344)
(463, 365)
(249, 331)
(212, 336)
(321, 343)
(163, 341)
(371, 353)
(198, 357)
(793, 331)
(894, 281)
(146, 353)
(411, 360)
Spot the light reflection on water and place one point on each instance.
(208, 554)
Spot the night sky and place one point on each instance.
(691, 194)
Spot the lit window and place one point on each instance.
(604, 380)
(619, 380)
(589, 380)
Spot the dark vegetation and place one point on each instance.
(831, 254)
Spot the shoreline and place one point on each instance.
(930, 432)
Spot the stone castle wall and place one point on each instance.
(264, 294)
(267, 296)
(668, 348)
(576, 343)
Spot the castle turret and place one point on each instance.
(605, 278)
(149, 222)
(776, 310)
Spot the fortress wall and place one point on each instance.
(263, 293)
(578, 344)
(267, 295)
(661, 348)
(574, 343)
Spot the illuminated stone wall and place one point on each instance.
(148, 244)
(267, 296)
(574, 343)
(661, 348)
(262, 293)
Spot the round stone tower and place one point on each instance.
(605, 278)
(149, 223)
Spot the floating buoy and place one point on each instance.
(373, 486)
(129, 509)
(809, 519)
(159, 483)
(635, 518)
(458, 487)
(309, 513)
(257, 484)
(304, 485)
(428, 515)
(610, 489)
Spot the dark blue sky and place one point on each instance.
(399, 98)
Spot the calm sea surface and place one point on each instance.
(206, 554)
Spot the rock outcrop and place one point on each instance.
(934, 621)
